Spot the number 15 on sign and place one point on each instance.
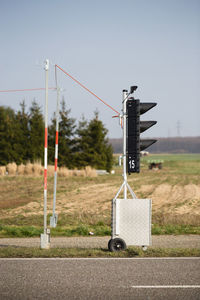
(131, 163)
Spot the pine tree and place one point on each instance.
(7, 117)
(66, 142)
(51, 140)
(82, 144)
(36, 128)
(22, 120)
(93, 146)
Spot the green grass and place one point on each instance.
(73, 230)
(19, 231)
(78, 252)
(185, 164)
(98, 229)
(173, 157)
(175, 229)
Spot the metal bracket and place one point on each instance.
(53, 220)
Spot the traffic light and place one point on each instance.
(134, 128)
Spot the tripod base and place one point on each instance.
(126, 186)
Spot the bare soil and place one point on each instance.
(175, 198)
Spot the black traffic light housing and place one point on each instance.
(134, 127)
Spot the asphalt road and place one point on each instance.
(141, 278)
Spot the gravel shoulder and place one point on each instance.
(158, 241)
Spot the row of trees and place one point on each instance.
(82, 144)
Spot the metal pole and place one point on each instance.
(46, 145)
(45, 237)
(125, 95)
(125, 184)
(53, 219)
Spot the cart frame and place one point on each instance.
(117, 242)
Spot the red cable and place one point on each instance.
(56, 80)
(35, 89)
(87, 89)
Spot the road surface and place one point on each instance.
(141, 278)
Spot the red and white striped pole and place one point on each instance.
(45, 238)
(54, 218)
(46, 145)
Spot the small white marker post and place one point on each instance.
(45, 237)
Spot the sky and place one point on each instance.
(108, 46)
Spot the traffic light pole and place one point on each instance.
(124, 98)
(125, 184)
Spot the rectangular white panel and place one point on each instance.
(132, 221)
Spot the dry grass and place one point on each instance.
(37, 169)
(11, 169)
(87, 172)
(50, 170)
(28, 169)
(176, 218)
(64, 172)
(2, 170)
(20, 169)
(83, 198)
(90, 172)
(174, 190)
(80, 173)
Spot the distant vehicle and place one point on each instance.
(144, 153)
(155, 164)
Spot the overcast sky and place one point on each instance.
(108, 46)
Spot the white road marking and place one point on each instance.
(166, 286)
(101, 258)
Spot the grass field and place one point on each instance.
(84, 204)
(78, 252)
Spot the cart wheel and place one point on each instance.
(116, 244)
(109, 244)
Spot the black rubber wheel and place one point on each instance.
(116, 244)
(109, 244)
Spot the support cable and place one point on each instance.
(26, 90)
(56, 66)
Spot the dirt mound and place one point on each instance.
(175, 203)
